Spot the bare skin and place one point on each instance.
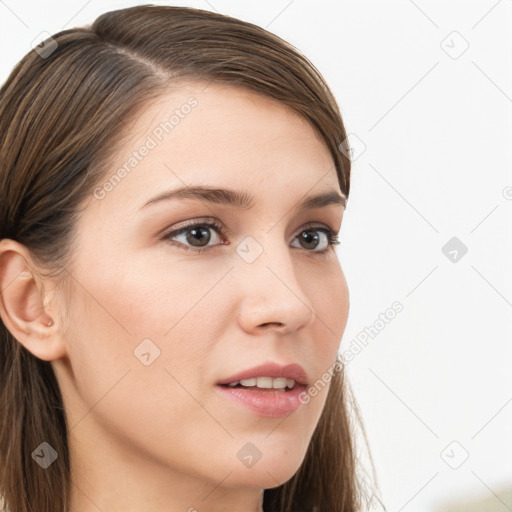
(160, 437)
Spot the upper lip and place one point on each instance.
(271, 369)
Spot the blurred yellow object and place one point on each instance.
(498, 500)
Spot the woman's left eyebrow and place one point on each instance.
(241, 199)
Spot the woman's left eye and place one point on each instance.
(310, 236)
(198, 234)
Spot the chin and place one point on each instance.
(264, 474)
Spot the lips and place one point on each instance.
(271, 369)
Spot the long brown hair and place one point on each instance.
(62, 110)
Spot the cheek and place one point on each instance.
(137, 319)
(330, 300)
(329, 297)
(155, 299)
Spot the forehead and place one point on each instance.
(222, 135)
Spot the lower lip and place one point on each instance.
(268, 403)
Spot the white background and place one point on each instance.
(432, 160)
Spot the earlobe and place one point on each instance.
(22, 304)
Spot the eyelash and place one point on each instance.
(332, 239)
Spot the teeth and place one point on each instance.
(265, 382)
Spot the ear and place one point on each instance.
(22, 303)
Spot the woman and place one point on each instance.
(172, 305)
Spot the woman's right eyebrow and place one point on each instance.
(234, 198)
(241, 199)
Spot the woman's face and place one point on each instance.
(154, 324)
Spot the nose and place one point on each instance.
(272, 293)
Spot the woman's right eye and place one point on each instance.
(195, 234)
